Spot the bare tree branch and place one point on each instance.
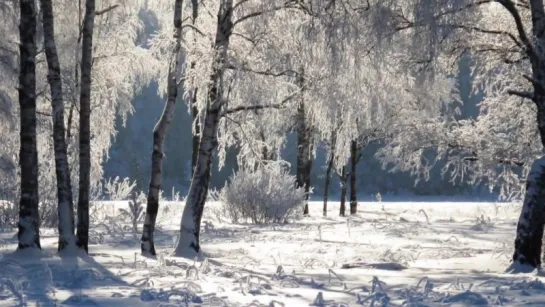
(513, 162)
(260, 107)
(487, 31)
(287, 4)
(512, 9)
(268, 72)
(527, 95)
(192, 27)
(106, 10)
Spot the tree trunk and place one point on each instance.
(528, 241)
(76, 77)
(327, 181)
(328, 171)
(85, 126)
(264, 149)
(304, 146)
(532, 219)
(194, 111)
(343, 178)
(353, 191)
(69, 124)
(28, 226)
(308, 171)
(188, 242)
(196, 138)
(159, 134)
(64, 187)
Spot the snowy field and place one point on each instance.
(390, 254)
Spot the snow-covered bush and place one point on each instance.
(135, 213)
(9, 215)
(118, 189)
(266, 195)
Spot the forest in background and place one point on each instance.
(128, 156)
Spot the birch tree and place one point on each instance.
(330, 161)
(193, 97)
(64, 187)
(304, 142)
(116, 28)
(85, 125)
(192, 214)
(505, 38)
(368, 84)
(246, 27)
(215, 97)
(159, 133)
(530, 226)
(28, 234)
(120, 69)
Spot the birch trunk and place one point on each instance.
(28, 226)
(65, 206)
(528, 242)
(327, 182)
(532, 218)
(76, 75)
(353, 164)
(343, 178)
(69, 124)
(85, 126)
(308, 170)
(328, 172)
(195, 139)
(188, 242)
(304, 146)
(159, 134)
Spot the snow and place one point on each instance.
(391, 253)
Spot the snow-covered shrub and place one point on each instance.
(265, 195)
(9, 215)
(135, 212)
(118, 189)
(9, 200)
(213, 195)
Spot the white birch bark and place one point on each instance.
(159, 134)
(85, 126)
(64, 188)
(532, 218)
(528, 242)
(188, 243)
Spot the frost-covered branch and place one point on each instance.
(526, 95)
(192, 27)
(499, 161)
(511, 8)
(260, 107)
(106, 10)
(286, 5)
(511, 36)
(267, 72)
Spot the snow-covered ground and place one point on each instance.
(417, 254)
